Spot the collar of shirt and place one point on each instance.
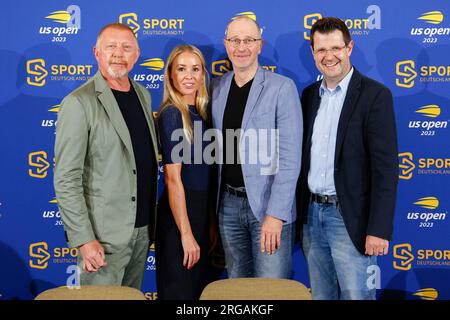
(342, 86)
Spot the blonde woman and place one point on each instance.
(182, 235)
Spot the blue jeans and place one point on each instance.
(337, 270)
(240, 232)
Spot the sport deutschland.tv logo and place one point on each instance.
(430, 34)
(152, 26)
(407, 72)
(220, 67)
(39, 255)
(402, 252)
(431, 166)
(406, 165)
(38, 72)
(131, 20)
(357, 27)
(39, 164)
(404, 255)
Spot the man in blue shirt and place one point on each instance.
(347, 187)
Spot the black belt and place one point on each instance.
(324, 199)
(238, 192)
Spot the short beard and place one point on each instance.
(117, 74)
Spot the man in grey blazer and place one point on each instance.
(259, 115)
(106, 166)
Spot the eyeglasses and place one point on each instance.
(248, 42)
(334, 50)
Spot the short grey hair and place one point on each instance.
(115, 25)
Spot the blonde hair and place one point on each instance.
(173, 97)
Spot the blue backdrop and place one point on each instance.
(46, 52)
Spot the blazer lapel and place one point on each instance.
(108, 101)
(347, 110)
(255, 91)
(222, 99)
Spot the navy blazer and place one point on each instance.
(366, 158)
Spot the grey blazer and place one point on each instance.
(273, 103)
(95, 181)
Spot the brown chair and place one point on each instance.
(255, 289)
(91, 293)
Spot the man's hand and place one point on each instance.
(93, 256)
(376, 246)
(271, 234)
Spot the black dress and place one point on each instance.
(174, 281)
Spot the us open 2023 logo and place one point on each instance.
(61, 25)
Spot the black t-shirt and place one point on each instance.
(232, 119)
(144, 156)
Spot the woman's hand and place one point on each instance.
(191, 250)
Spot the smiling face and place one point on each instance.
(187, 75)
(116, 52)
(243, 57)
(333, 65)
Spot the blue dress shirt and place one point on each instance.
(323, 143)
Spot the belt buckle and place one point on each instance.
(235, 191)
